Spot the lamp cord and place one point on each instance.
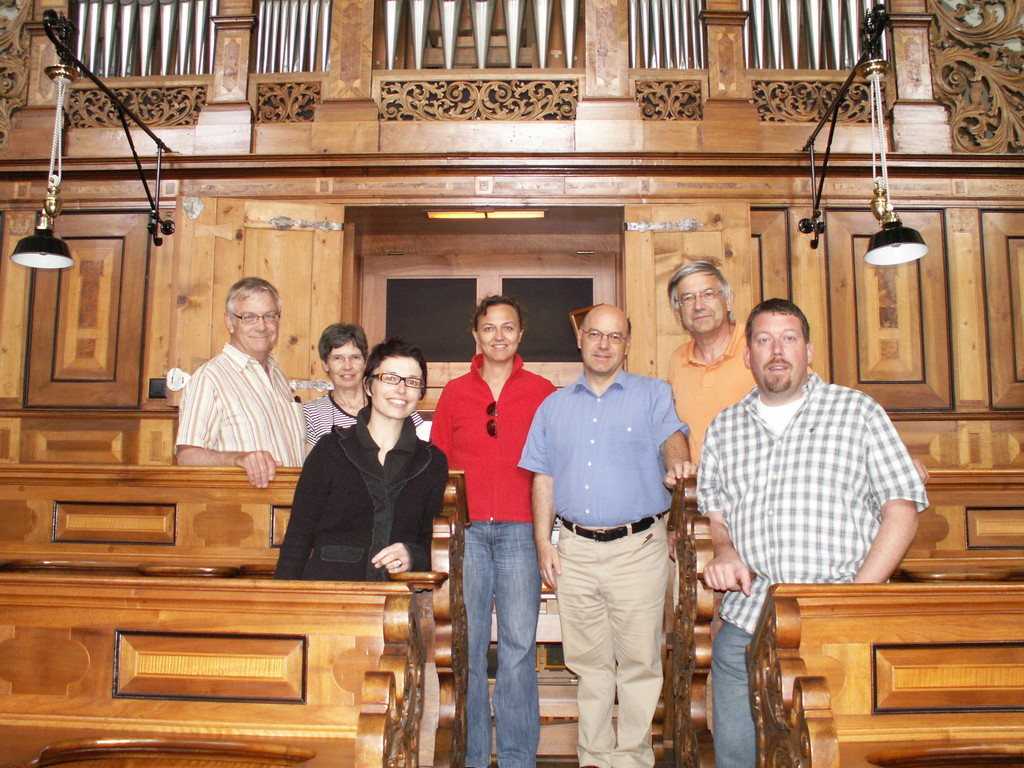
(878, 138)
(57, 147)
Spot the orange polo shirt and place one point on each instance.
(702, 390)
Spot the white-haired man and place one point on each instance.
(238, 410)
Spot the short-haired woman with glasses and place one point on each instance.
(368, 494)
(343, 352)
(481, 423)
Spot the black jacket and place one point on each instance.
(347, 507)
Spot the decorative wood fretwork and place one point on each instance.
(783, 101)
(287, 102)
(485, 100)
(13, 66)
(672, 100)
(978, 69)
(158, 107)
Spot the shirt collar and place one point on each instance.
(241, 360)
(737, 340)
(813, 384)
(478, 362)
(621, 380)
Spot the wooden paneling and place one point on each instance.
(86, 321)
(769, 253)
(890, 325)
(115, 523)
(1003, 234)
(184, 665)
(957, 677)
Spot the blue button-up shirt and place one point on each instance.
(604, 452)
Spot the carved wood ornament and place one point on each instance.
(783, 101)
(158, 107)
(14, 39)
(978, 70)
(483, 100)
(671, 100)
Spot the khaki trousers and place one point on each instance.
(611, 603)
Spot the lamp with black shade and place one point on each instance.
(894, 243)
(44, 249)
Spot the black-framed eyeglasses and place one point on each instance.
(687, 299)
(412, 382)
(613, 338)
(492, 423)
(249, 318)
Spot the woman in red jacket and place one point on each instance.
(481, 423)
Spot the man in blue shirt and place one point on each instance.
(603, 451)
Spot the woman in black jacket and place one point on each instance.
(366, 499)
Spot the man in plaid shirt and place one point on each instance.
(804, 481)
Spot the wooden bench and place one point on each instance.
(970, 532)
(869, 676)
(972, 529)
(203, 521)
(335, 670)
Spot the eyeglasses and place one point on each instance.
(613, 338)
(412, 382)
(687, 299)
(270, 318)
(492, 423)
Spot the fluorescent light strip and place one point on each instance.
(503, 214)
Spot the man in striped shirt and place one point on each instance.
(238, 410)
(804, 482)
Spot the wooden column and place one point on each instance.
(920, 123)
(347, 120)
(731, 123)
(608, 118)
(225, 124)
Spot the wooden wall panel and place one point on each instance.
(86, 321)
(890, 325)
(769, 253)
(14, 290)
(967, 309)
(1003, 244)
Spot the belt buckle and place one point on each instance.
(611, 534)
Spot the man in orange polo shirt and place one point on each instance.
(708, 373)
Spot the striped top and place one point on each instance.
(323, 413)
(231, 404)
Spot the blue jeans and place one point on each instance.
(500, 570)
(735, 743)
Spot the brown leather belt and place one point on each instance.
(611, 534)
